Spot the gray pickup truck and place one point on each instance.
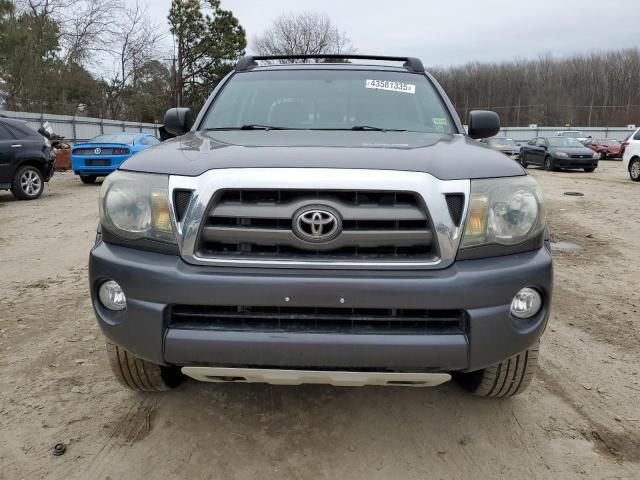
(326, 222)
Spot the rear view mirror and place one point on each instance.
(178, 121)
(483, 124)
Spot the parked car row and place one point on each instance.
(27, 159)
(566, 151)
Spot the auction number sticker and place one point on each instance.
(391, 86)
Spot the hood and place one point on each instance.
(573, 150)
(509, 149)
(447, 157)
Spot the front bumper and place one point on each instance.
(80, 167)
(575, 162)
(483, 288)
(49, 170)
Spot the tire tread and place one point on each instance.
(136, 373)
(503, 379)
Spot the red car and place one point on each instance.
(606, 147)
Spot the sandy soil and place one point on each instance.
(579, 419)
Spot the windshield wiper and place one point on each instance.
(255, 126)
(375, 129)
(249, 127)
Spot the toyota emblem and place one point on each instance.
(98, 151)
(317, 224)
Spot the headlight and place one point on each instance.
(136, 206)
(504, 211)
(595, 155)
(562, 154)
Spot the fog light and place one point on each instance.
(526, 303)
(112, 296)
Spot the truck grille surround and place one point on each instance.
(317, 225)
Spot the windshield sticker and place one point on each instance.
(391, 86)
(440, 121)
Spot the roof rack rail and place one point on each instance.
(410, 63)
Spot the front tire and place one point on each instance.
(603, 156)
(140, 375)
(88, 179)
(548, 165)
(28, 183)
(523, 160)
(503, 379)
(634, 169)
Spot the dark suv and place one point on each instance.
(323, 223)
(25, 162)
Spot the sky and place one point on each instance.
(452, 32)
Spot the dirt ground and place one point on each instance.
(579, 419)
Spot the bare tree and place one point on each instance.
(302, 34)
(133, 45)
(581, 90)
(137, 38)
(90, 27)
(86, 26)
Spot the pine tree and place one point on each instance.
(207, 45)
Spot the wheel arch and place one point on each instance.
(38, 163)
(631, 160)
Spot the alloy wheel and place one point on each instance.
(635, 170)
(30, 183)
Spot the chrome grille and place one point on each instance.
(258, 224)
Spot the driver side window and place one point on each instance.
(532, 142)
(541, 143)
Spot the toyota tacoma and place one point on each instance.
(327, 222)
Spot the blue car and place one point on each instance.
(103, 154)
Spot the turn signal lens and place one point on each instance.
(160, 217)
(477, 222)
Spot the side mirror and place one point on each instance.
(483, 124)
(178, 121)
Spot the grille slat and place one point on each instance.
(286, 210)
(318, 319)
(376, 225)
(362, 238)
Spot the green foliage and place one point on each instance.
(208, 44)
(30, 65)
(38, 71)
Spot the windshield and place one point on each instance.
(125, 138)
(564, 142)
(329, 100)
(502, 142)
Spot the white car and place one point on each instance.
(577, 134)
(633, 137)
(631, 159)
